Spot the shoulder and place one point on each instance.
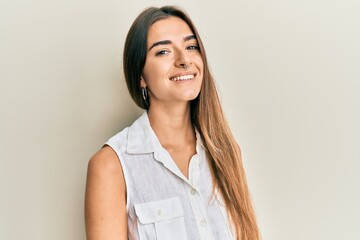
(105, 197)
(118, 142)
(105, 172)
(104, 161)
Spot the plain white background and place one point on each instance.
(288, 75)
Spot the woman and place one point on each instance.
(180, 174)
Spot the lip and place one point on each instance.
(183, 74)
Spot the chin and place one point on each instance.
(191, 97)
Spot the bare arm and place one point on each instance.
(105, 198)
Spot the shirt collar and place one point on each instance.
(141, 137)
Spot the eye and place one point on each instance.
(161, 52)
(193, 47)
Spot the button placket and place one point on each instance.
(196, 198)
(194, 172)
(203, 223)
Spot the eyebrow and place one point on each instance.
(167, 42)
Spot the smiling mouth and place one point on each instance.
(183, 77)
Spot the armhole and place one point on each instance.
(125, 174)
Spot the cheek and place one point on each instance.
(148, 74)
(154, 71)
(199, 63)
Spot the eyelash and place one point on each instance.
(162, 52)
(191, 48)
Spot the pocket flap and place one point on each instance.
(156, 211)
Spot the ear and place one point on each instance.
(142, 82)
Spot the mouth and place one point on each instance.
(183, 77)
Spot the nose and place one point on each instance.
(183, 60)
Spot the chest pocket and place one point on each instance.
(161, 220)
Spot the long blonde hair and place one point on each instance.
(207, 116)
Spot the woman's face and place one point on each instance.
(173, 70)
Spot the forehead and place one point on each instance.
(168, 29)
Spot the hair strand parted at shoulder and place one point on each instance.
(207, 115)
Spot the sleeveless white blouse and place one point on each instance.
(161, 202)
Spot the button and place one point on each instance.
(203, 223)
(159, 212)
(193, 191)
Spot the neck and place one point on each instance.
(172, 126)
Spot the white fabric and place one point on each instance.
(161, 202)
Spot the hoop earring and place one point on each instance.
(144, 94)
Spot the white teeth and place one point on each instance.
(182, 78)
